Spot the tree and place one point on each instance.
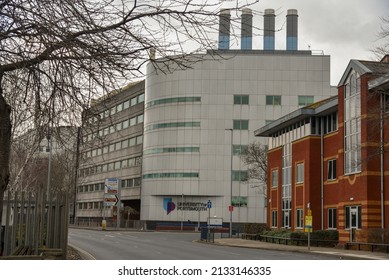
(255, 158)
(56, 55)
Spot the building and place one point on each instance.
(175, 139)
(198, 120)
(112, 147)
(330, 158)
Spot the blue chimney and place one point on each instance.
(247, 30)
(291, 30)
(224, 29)
(268, 30)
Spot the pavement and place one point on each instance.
(341, 253)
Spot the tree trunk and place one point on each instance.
(5, 146)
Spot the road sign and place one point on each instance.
(111, 186)
(111, 200)
(209, 204)
(231, 208)
(308, 223)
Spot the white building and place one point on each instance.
(189, 115)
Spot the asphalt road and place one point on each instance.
(129, 245)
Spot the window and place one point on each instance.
(274, 179)
(299, 218)
(331, 170)
(117, 165)
(239, 201)
(239, 175)
(126, 104)
(118, 146)
(238, 150)
(241, 124)
(241, 99)
(332, 218)
(139, 139)
(273, 99)
(300, 173)
(305, 100)
(352, 125)
(274, 218)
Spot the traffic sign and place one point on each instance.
(111, 200)
(209, 204)
(308, 223)
(231, 208)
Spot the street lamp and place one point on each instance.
(230, 206)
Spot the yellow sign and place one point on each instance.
(308, 222)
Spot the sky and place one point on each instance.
(343, 29)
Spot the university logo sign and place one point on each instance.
(168, 205)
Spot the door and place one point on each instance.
(353, 220)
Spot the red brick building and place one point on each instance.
(332, 157)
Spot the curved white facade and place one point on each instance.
(188, 119)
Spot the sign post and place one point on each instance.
(209, 206)
(308, 227)
(111, 199)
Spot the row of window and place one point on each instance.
(331, 173)
(90, 205)
(114, 147)
(106, 167)
(171, 175)
(171, 125)
(120, 107)
(173, 100)
(114, 128)
(125, 183)
(353, 218)
(172, 150)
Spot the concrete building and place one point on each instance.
(197, 122)
(112, 146)
(330, 158)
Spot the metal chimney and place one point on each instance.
(224, 29)
(291, 30)
(269, 29)
(247, 30)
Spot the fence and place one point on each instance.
(35, 224)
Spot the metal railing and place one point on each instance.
(36, 222)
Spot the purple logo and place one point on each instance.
(168, 205)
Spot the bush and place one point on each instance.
(254, 228)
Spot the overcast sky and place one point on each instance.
(343, 29)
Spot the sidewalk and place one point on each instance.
(341, 253)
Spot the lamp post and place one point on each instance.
(230, 206)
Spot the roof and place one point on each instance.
(323, 107)
(364, 67)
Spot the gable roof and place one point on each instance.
(363, 67)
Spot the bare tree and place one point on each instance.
(55, 55)
(255, 158)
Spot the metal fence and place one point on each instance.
(35, 221)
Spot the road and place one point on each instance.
(131, 245)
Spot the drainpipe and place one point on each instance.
(382, 104)
(322, 172)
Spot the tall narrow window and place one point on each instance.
(352, 125)
(274, 179)
(274, 218)
(332, 218)
(331, 175)
(299, 218)
(300, 173)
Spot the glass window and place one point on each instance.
(132, 141)
(274, 218)
(239, 201)
(300, 173)
(104, 168)
(113, 110)
(299, 218)
(274, 178)
(112, 129)
(105, 149)
(239, 175)
(126, 104)
(133, 121)
(126, 123)
(125, 144)
(140, 118)
(133, 101)
(111, 166)
(331, 170)
(241, 99)
(353, 217)
(117, 165)
(238, 150)
(118, 126)
(111, 148)
(125, 163)
(305, 100)
(119, 107)
(332, 218)
(131, 162)
(139, 139)
(137, 181)
(273, 99)
(141, 98)
(118, 146)
(241, 124)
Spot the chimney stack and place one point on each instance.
(268, 29)
(224, 29)
(247, 29)
(291, 30)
